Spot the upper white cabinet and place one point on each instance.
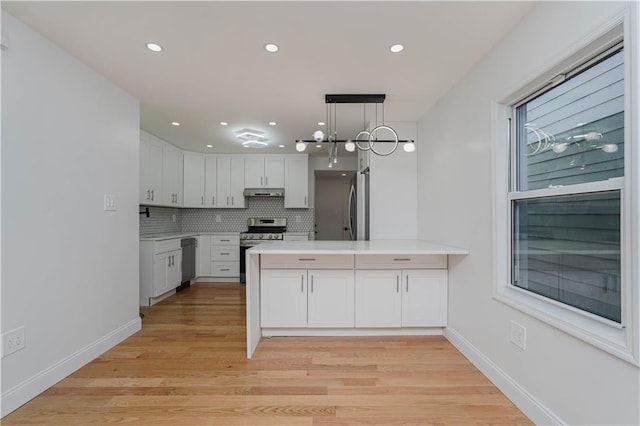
(211, 181)
(171, 176)
(150, 169)
(296, 182)
(193, 180)
(230, 182)
(264, 172)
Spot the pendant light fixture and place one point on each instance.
(365, 140)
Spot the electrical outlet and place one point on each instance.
(109, 202)
(518, 335)
(218, 218)
(13, 341)
(298, 218)
(173, 217)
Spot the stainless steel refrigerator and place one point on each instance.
(359, 206)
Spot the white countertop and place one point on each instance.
(174, 235)
(355, 247)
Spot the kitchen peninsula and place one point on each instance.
(346, 288)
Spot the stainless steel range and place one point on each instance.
(259, 230)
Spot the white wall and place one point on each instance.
(70, 269)
(393, 188)
(558, 378)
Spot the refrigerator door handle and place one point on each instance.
(352, 193)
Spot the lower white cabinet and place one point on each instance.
(204, 256)
(160, 268)
(225, 255)
(298, 298)
(401, 298)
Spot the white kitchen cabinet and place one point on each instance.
(150, 169)
(193, 180)
(160, 269)
(424, 298)
(230, 182)
(401, 298)
(378, 301)
(296, 182)
(264, 172)
(330, 301)
(210, 181)
(204, 256)
(172, 176)
(225, 255)
(283, 298)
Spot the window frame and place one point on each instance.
(619, 339)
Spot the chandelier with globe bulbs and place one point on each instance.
(365, 140)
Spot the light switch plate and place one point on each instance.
(109, 202)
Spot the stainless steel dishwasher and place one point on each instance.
(188, 261)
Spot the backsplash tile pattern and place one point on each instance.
(160, 220)
(235, 220)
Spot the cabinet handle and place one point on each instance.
(213, 201)
(261, 181)
(266, 181)
(225, 254)
(407, 279)
(224, 269)
(225, 240)
(152, 197)
(402, 259)
(202, 200)
(148, 195)
(311, 283)
(169, 261)
(305, 200)
(232, 200)
(306, 259)
(301, 283)
(397, 283)
(227, 200)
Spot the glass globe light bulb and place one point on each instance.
(300, 146)
(350, 146)
(409, 147)
(318, 135)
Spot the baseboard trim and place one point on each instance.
(33, 386)
(527, 403)
(336, 332)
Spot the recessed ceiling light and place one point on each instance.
(396, 48)
(343, 174)
(209, 146)
(272, 123)
(318, 146)
(154, 47)
(223, 123)
(271, 48)
(280, 146)
(175, 123)
(320, 123)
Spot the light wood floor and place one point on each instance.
(188, 366)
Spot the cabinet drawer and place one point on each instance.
(310, 261)
(225, 254)
(401, 261)
(225, 240)
(166, 246)
(225, 269)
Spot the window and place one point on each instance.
(567, 169)
(566, 203)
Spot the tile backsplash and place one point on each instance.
(161, 219)
(235, 220)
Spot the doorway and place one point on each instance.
(332, 204)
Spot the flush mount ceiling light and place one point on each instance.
(271, 47)
(154, 47)
(175, 123)
(252, 138)
(365, 140)
(396, 48)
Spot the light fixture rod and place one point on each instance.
(355, 99)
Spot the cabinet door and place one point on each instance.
(193, 180)
(175, 270)
(296, 185)
(236, 189)
(161, 267)
(211, 181)
(204, 256)
(150, 171)
(254, 172)
(274, 172)
(424, 298)
(223, 184)
(283, 298)
(378, 298)
(172, 176)
(330, 300)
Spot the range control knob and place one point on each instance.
(270, 237)
(260, 236)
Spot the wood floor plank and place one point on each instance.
(188, 366)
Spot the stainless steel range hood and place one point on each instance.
(264, 192)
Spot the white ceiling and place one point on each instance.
(214, 67)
